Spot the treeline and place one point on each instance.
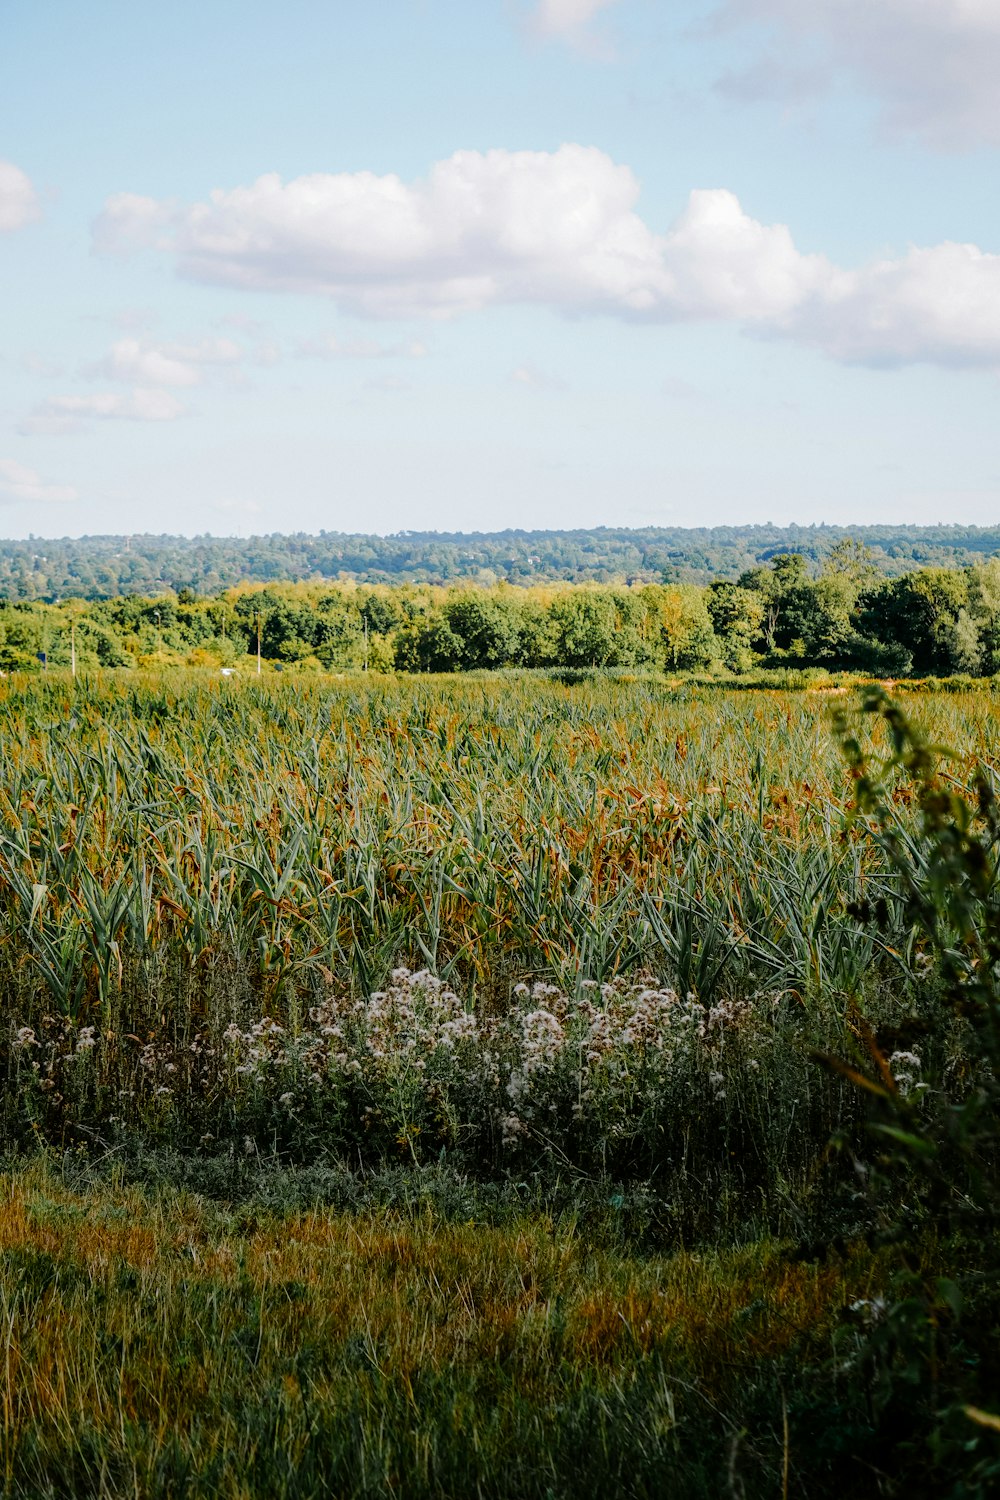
(932, 621)
(103, 567)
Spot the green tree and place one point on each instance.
(681, 627)
(984, 606)
(488, 628)
(737, 616)
(786, 599)
(429, 645)
(919, 613)
(584, 628)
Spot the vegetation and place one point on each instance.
(847, 617)
(488, 1084)
(101, 567)
(162, 1345)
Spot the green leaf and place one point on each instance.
(916, 1143)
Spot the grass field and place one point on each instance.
(161, 1345)
(411, 1088)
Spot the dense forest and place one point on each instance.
(104, 566)
(843, 615)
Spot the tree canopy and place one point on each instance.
(104, 566)
(841, 615)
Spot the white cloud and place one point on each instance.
(152, 371)
(19, 483)
(561, 229)
(18, 200)
(940, 304)
(147, 365)
(130, 222)
(532, 378)
(482, 228)
(329, 346)
(62, 414)
(568, 20)
(723, 264)
(934, 64)
(130, 361)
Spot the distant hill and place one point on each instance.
(105, 566)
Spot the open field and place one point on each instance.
(418, 1091)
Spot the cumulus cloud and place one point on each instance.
(19, 483)
(482, 228)
(934, 64)
(724, 264)
(152, 371)
(940, 304)
(561, 229)
(144, 364)
(18, 200)
(64, 414)
(136, 406)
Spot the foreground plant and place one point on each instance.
(938, 1125)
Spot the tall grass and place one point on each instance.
(202, 887)
(488, 831)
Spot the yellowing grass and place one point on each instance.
(147, 1323)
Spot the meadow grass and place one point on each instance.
(159, 1344)
(633, 897)
(430, 1066)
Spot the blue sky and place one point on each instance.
(435, 265)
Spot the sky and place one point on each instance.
(464, 265)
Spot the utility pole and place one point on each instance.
(72, 647)
(364, 618)
(258, 643)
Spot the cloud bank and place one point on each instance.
(561, 229)
(19, 203)
(934, 64)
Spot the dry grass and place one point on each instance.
(144, 1332)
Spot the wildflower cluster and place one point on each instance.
(906, 1069)
(49, 1059)
(414, 1068)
